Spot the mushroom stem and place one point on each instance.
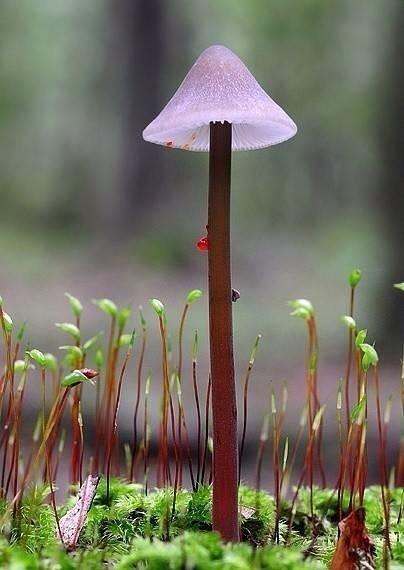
(225, 445)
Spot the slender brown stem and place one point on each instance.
(76, 439)
(260, 455)
(188, 450)
(180, 338)
(225, 453)
(206, 434)
(341, 449)
(164, 462)
(349, 361)
(137, 405)
(312, 359)
(60, 453)
(290, 467)
(245, 403)
(20, 391)
(48, 475)
(179, 375)
(107, 399)
(146, 435)
(275, 464)
(114, 426)
(197, 405)
(306, 464)
(94, 463)
(383, 469)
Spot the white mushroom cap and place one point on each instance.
(219, 88)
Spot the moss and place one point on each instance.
(138, 531)
(34, 530)
(257, 510)
(199, 512)
(279, 558)
(207, 552)
(16, 557)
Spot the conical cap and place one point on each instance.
(219, 88)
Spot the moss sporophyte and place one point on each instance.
(128, 522)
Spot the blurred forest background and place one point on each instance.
(86, 206)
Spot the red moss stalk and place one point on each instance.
(138, 394)
(349, 359)
(245, 402)
(197, 406)
(114, 426)
(206, 434)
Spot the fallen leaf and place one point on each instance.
(71, 524)
(247, 512)
(354, 549)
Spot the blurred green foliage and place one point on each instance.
(61, 118)
(80, 80)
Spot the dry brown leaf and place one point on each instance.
(71, 524)
(247, 512)
(354, 549)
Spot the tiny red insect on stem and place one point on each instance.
(203, 244)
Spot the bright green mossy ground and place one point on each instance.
(133, 532)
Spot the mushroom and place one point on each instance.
(220, 107)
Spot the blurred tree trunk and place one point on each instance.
(391, 197)
(139, 55)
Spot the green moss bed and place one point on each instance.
(138, 531)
